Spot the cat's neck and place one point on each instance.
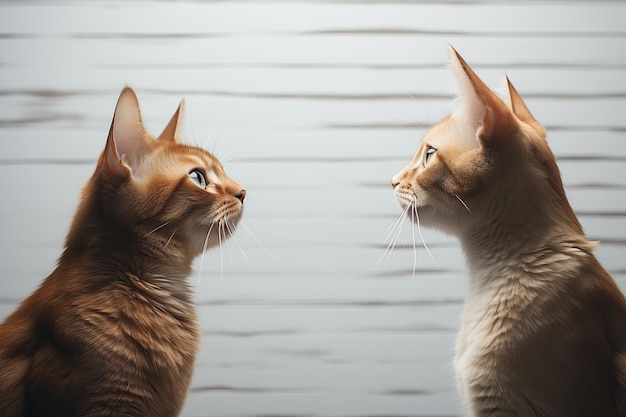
(106, 251)
(538, 240)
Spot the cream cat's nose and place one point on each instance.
(395, 181)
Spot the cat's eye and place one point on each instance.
(198, 178)
(429, 154)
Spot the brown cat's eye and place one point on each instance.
(198, 178)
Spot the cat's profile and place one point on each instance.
(112, 331)
(543, 330)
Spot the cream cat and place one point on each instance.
(112, 331)
(543, 330)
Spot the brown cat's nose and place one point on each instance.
(241, 195)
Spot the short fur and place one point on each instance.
(543, 329)
(112, 331)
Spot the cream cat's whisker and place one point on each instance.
(394, 234)
(463, 202)
(391, 230)
(419, 229)
(414, 245)
(392, 244)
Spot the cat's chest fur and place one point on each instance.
(525, 320)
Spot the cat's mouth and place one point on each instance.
(405, 198)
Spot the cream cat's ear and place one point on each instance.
(128, 139)
(518, 107)
(172, 130)
(480, 107)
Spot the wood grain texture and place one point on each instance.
(312, 106)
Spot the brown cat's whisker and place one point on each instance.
(241, 224)
(463, 202)
(204, 248)
(157, 228)
(169, 240)
(224, 158)
(231, 232)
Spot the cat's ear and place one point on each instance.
(480, 107)
(128, 139)
(518, 107)
(172, 130)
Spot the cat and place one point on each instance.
(113, 330)
(543, 329)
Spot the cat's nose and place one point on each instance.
(395, 181)
(241, 194)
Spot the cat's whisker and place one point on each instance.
(463, 202)
(224, 237)
(419, 231)
(169, 240)
(394, 234)
(219, 237)
(218, 134)
(241, 224)
(391, 230)
(414, 245)
(396, 226)
(157, 228)
(204, 248)
(231, 230)
(394, 240)
(224, 158)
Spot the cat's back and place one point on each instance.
(69, 351)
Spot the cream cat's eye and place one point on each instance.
(198, 178)
(429, 154)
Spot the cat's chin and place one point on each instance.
(215, 234)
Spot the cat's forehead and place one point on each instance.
(451, 133)
(172, 160)
(198, 157)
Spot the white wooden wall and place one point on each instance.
(312, 106)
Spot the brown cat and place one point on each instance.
(112, 331)
(543, 329)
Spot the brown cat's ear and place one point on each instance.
(480, 107)
(128, 139)
(172, 130)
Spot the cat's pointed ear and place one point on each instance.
(172, 130)
(480, 107)
(128, 139)
(518, 107)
